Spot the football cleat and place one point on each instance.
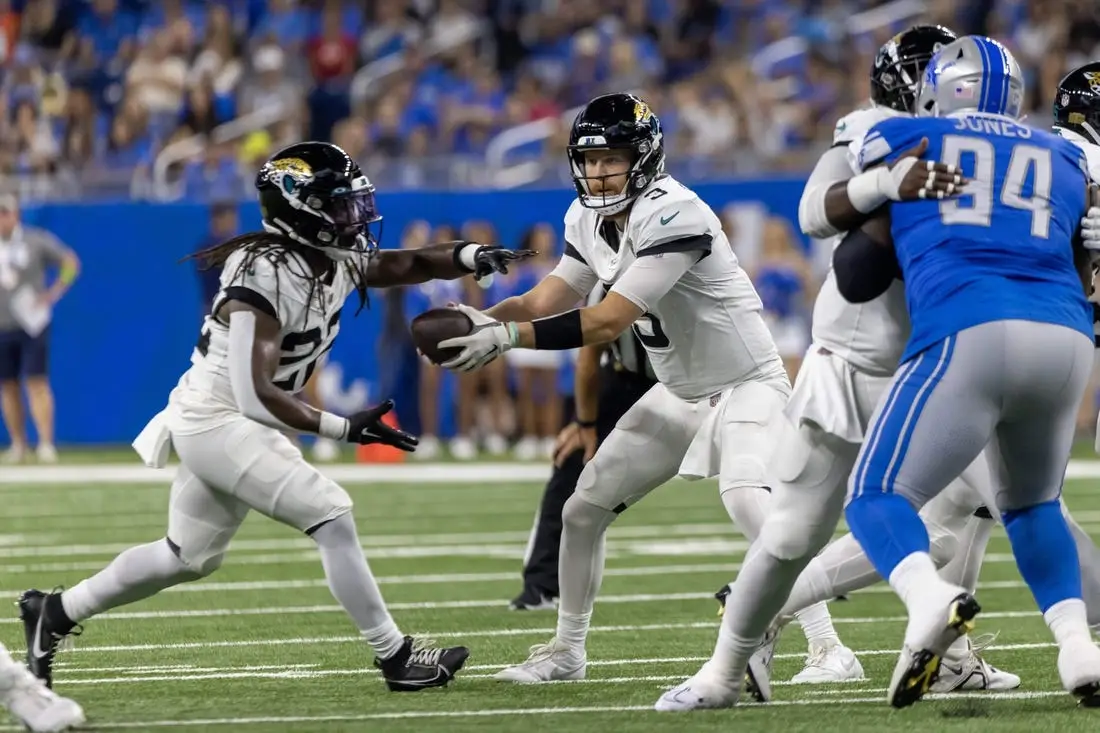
(532, 599)
(703, 691)
(45, 627)
(826, 665)
(918, 665)
(419, 665)
(33, 704)
(721, 596)
(969, 671)
(547, 663)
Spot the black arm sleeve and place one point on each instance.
(864, 269)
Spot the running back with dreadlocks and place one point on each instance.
(275, 315)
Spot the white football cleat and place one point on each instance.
(40, 709)
(1079, 668)
(704, 691)
(928, 637)
(548, 662)
(825, 665)
(428, 449)
(969, 672)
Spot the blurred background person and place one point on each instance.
(784, 280)
(535, 373)
(27, 254)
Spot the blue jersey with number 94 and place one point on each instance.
(1002, 250)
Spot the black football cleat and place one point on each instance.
(532, 599)
(45, 626)
(721, 596)
(419, 666)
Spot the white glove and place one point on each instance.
(487, 341)
(1090, 228)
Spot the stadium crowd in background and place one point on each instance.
(183, 98)
(94, 90)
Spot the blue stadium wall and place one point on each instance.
(124, 333)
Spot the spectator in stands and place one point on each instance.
(391, 30)
(786, 286)
(158, 77)
(538, 405)
(26, 304)
(271, 89)
(218, 62)
(351, 135)
(83, 129)
(32, 143)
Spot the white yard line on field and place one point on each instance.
(422, 473)
(437, 605)
(70, 668)
(542, 712)
(464, 635)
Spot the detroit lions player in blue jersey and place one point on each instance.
(1000, 350)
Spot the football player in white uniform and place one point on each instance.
(854, 353)
(671, 273)
(277, 313)
(33, 704)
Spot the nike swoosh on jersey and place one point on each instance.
(666, 220)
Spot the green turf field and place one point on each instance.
(262, 646)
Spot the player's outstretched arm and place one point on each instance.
(550, 295)
(865, 263)
(815, 218)
(848, 204)
(643, 284)
(446, 261)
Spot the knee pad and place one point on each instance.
(199, 561)
(808, 498)
(578, 513)
(747, 507)
(943, 544)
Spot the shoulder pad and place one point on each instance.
(855, 125)
(679, 214)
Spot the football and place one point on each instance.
(439, 324)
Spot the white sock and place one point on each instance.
(753, 603)
(964, 567)
(913, 576)
(580, 567)
(354, 587)
(1068, 621)
(135, 574)
(817, 625)
(573, 629)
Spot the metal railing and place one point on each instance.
(161, 188)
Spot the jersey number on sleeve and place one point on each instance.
(655, 340)
(975, 206)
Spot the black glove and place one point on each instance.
(489, 259)
(366, 427)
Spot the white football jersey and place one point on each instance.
(279, 285)
(870, 336)
(704, 334)
(1091, 150)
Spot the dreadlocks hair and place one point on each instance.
(277, 248)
